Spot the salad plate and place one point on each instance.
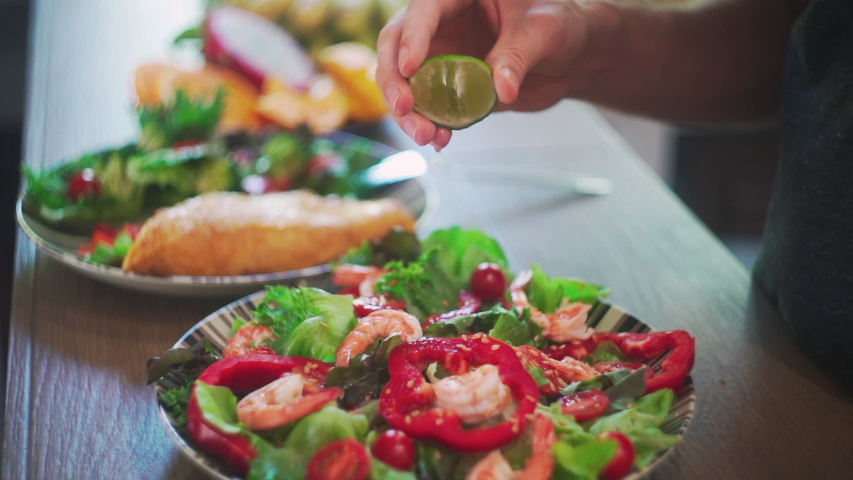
(414, 192)
(210, 337)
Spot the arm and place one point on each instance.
(721, 60)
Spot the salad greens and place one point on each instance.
(547, 294)
(308, 322)
(181, 154)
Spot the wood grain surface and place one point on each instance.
(77, 404)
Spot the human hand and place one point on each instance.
(531, 46)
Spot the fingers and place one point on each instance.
(442, 138)
(523, 43)
(395, 88)
(419, 26)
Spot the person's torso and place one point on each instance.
(807, 257)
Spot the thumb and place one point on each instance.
(512, 56)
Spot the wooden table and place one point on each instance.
(77, 404)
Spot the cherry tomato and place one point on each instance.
(396, 449)
(342, 460)
(364, 306)
(279, 184)
(607, 367)
(623, 461)
(186, 143)
(323, 162)
(84, 184)
(585, 405)
(488, 282)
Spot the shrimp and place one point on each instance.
(283, 401)
(475, 396)
(358, 275)
(246, 339)
(540, 466)
(379, 324)
(560, 373)
(566, 324)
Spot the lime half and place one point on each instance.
(454, 91)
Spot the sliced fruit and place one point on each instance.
(454, 91)
(353, 66)
(323, 107)
(157, 84)
(328, 105)
(256, 47)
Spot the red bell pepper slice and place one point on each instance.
(468, 304)
(406, 403)
(244, 374)
(678, 346)
(577, 349)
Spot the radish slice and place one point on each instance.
(255, 47)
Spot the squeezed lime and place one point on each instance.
(454, 91)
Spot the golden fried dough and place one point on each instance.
(237, 234)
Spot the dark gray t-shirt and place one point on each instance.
(807, 259)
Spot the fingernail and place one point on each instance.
(392, 94)
(436, 147)
(509, 75)
(404, 57)
(411, 129)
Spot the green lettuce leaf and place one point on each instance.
(381, 471)
(307, 322)
(505, 325)
(656, 403)
(626, 421)
(649, 443)
(397, 246)
(547, 294)
(219, 407)
(582, 462)
(320, 336)
(606, 351)
(276, 464)
(321, 428)
(567, 429)
(601, 382)
(462, 250)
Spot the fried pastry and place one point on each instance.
(223, 233)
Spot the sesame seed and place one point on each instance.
(410, 384)
(495, 347)
(439, 421)
(529, 416)
(464, 348)
(408, 419)
(530, 398)
(515, 428)
(387, 391)
(518, 352)
(459, 346)
(486, 340)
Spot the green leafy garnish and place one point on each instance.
(547, 294)
(601, 382)
(307, 322)
(183, 119)
(176, 400)
(656, 403)
(423, 285)
(606, 351)
(499, 323)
